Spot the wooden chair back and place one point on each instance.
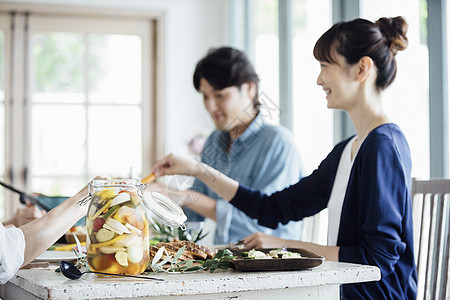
(431, 215)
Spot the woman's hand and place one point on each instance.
(26, 215)
(173, 164)
(181, 197)
(260, 240)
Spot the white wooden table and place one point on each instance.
(319, 283)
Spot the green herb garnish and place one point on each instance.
(220, 261)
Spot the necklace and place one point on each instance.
(374, 123)
(355, 148)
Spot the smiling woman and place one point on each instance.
(337, 82)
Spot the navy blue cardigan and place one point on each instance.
(376, 221)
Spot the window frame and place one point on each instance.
(438, 88)
(16, 95)
(38, 24)
(438, 73)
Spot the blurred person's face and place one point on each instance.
(230, 107)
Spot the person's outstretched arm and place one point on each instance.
(196, 201)
(173, 164)
(43, 232)
(259, 240)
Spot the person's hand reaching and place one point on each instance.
(181, 197)
(260, 240)
(26, 214)
(173, 164)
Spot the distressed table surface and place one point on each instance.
(318, 283)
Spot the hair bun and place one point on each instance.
(394, 29)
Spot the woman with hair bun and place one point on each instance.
(365, 181)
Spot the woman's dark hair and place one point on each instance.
(225, 67)
(358, 38)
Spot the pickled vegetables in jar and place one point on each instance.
(117, 227)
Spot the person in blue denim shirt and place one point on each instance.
(243, 146)
(263, 157)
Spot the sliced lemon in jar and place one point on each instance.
(122, 258)
(104, 235)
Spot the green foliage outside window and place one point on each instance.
(60, 61)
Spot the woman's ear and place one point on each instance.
(365, 65)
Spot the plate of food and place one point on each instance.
(56, 256)
(289, 259)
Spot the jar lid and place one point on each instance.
(114, 183)
(163, 209)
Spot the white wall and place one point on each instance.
(191, 28)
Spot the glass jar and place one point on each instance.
(117, 224)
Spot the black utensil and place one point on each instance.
(70, 271)
(24, 196)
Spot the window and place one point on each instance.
(408, 107)
(85, 102)
(265, 52)
(82, 100)
(313, 121)
(447, 54)
(310, 19)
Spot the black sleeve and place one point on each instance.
(306, 198)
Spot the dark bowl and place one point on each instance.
(308, 260)
(51, 202)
